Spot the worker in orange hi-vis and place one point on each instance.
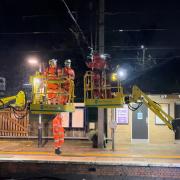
(67, 70)
(52, 88)
(58, 133)
(68, 73)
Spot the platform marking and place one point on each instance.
(108, 155)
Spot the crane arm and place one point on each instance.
(139, 96)
(20, 100)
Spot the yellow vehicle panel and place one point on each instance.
(104, 103)
(51, 109)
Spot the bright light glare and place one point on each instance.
(142, 46)
(102, 56)
(33, 60)
(36, 81)
(122, 74)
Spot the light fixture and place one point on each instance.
(103, 56)
(33, 60)
(114, 77)
(122, 73)
(36, 81)
(142, 46)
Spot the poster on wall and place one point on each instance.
(65, 122)
(122, 115)
(165, 107)
(78, 118)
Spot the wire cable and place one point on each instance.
(135, 108)
(17, 110)
(77, 25)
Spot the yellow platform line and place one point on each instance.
(26, 153)
(109, 155)
(128, 155)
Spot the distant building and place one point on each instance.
(2, 86)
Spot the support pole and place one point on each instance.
(112, 130)
(101, 26)
(100, 128)
(40, 131)
(101, 51)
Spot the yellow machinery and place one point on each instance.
(109, 96)
(117, 99)
(20, 101)
(40, 102)
(140, 97)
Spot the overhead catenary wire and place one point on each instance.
(108, 13)
(76, 23)
(139, 30)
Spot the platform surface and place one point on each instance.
(20, 159)
(166, 155)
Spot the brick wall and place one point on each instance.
(72, 171)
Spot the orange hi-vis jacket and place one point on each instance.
(67, 72)
(52, 88)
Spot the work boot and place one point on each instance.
(57, 151)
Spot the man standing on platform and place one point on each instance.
(58, 133)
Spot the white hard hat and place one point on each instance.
(67, 62)
(52, 62)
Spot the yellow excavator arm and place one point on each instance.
(139, 96)
(20, 100)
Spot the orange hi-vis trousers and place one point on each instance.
(58, 131)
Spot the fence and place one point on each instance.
(11, 126)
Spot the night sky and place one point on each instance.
(41, 28)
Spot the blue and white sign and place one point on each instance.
(139, 115)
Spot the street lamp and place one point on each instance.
(142, 46)
(122, 73)
(34, 61)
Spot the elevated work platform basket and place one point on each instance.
(98, 92)
(51, 95)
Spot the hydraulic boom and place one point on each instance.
(139, 97)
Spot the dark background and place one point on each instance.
(41, 28)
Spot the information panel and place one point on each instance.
(78, 118)
(65, 121)
(122, 115)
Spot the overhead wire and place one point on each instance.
(76, 23)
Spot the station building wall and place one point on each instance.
(158, 133)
